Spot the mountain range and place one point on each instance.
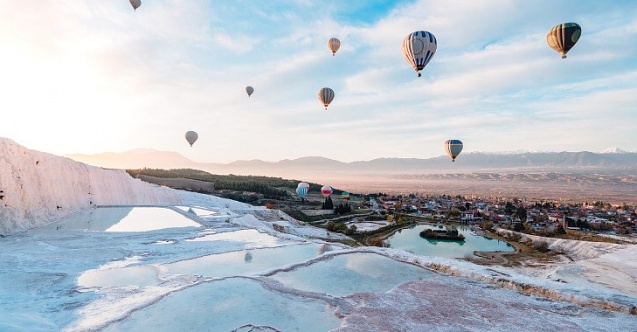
(569, 176)
(466, 163)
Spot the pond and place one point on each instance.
(409, 239)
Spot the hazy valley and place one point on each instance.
(568, 176)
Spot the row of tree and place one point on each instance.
(267, 186)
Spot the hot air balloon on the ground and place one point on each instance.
(418, 49)
(453, 147)
(301, 192)
(249, 90)
(333, 44)
(325, 96)
(135, 4)
(345, 195)
(326, 190)
(563, 37)
(191, 137)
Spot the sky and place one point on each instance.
(93, 76)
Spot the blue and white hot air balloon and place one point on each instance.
(453, 147)
(418, 49)
(301, 192)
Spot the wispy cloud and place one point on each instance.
(93, 76)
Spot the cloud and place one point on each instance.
(123, 79)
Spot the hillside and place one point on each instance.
(37, 187)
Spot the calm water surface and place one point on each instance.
(409, 239)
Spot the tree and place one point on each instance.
(509, 208)
(520, 212)
(328, 204)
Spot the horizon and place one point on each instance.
(81, 77)
(150, 150)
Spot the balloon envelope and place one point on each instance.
(345, 195)
(249, 90)
(453, 147)
(135, 4)
(563, 37)
(326, 190)
(333, 44)
(304, 184)
(191, 137)
(301, 191)
(418, 49)
(325, 96)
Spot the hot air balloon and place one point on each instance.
(191, 137)
(563, 37)
(325, 96)
(326, 191)
(304, 184)
(453, 147)
(333, 44)
(418, 49)
(135, 4)
(345, 195)
(301, 192)
(249, 90)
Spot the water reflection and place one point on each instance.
(244, 262)
(409, 239)
(352, 273)
(124, 219)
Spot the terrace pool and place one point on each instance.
(124, 219)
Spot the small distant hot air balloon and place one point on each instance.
(345, 195)
(333, 44)
(563, 37)
(453, 147)
(301, 192)
(418, 49)
(249, 90)
(325, 96)
(326, 191)
(135, 4)
(191, 137)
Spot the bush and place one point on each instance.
(330, 225)
(376, 242)
(518, 226)
(541, 246)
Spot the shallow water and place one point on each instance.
(229, 304)
(245, 262)
(409, 239)
(346, 274)
(124, 219)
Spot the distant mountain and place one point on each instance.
(138, 158)
(466, 163)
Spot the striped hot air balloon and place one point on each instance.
(325, 96)
(326, 190)
(304, 184)
(301, 192)
(333, 44)
(418, 49)
(453, 147)
(563, 37)
(345, 195)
